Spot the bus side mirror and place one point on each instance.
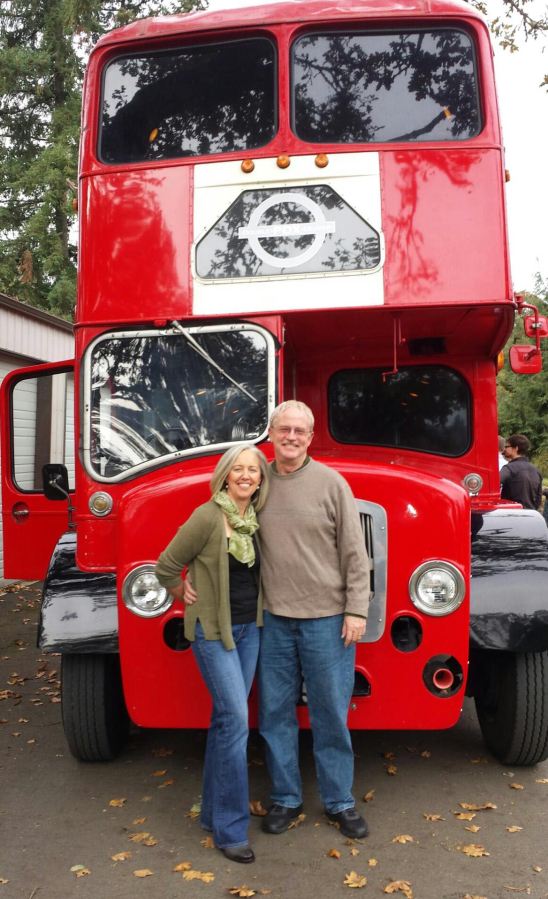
(532, 327)
(525, 360)
(55, 481)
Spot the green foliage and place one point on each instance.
(523, 399)
(43, 48)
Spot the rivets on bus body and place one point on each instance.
(283, 161)
(247, 166)
(507, 174)
(321, 160)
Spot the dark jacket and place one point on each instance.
(521, 482)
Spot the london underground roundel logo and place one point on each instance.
(319, 227)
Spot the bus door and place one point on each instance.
(37, 427)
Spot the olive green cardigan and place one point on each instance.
(201, 544)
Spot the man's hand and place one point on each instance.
(353, 629)
(189, 593)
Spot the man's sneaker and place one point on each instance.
(350, 823)
(278, 818)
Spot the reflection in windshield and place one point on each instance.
(152, 396)
(361, 88)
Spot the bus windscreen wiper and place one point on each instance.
(196, 346)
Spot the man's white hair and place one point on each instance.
(290, 406)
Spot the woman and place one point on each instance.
(219, 544)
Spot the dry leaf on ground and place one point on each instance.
(477, 761)
(477, 808)
(368, 796)
(399, 886)
(144, 872)
(297, 821)
(160, 773)
(182, 866)
(372, 862)
(166, 783)
(160, 753)
(83, 872)
(464, 816)
(469, 896)
(433, 817)
(403, 838)
(76, 868)
(537, 869)
(389, 755)
(354, 880)
(137, 837)
(256, 808)
(333, 853)
(354, 851)
(208, 843)
(241, 891)
(139, 821)
(473, 850)
(473, 828)
(426, 754)
(541, 780)
(151, 842)
(391, 769)
(526, 890)
(516, 786)
(120, 856)
(2, 880)
(117, 803)
(204, 876)
(514, 828)
(192, 815)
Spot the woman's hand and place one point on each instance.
(178, 592)
(353, 629)
(189, 593)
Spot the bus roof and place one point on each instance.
(291, 11)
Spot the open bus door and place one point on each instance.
(37, 428)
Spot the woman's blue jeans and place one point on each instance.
(228, 675)
(312, 648)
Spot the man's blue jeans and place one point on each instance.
(314, 647)
(228, 675)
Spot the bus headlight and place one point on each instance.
(143, 594)
(437, 588)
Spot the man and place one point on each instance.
(502, 460)
(315, 576)
(520, 480)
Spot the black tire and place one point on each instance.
(95, 718)
(511, 696)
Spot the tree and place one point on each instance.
(523, 399)
(43, 48)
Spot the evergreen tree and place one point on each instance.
(43, 48)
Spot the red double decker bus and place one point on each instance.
(302, 200)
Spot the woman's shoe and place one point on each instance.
(243, 854)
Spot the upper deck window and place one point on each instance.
(195, 101)
(376, 88)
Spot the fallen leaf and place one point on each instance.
(399, 885)
(368, 796)
(372, 862)
(264, 892)
(139, 821)
(241, 891)
(473, 850)
(354, 880)
(23, 720)
(137, 837)
(144, 872)
(333, 853)
(160, 773)
(388, 755)
(426, 754)
(542, 780)
(166, 783)
(31, 741)
(403, 838)
(183, 866)
(146, 799)
(192, 815)
(537, 869)
(208, 843)
(2, 880)
(433, 817)
(391, 769)
(117, 803)
(151, 842)
(516, 787)
(477, 808)
(526, 890)
(76, 868)
(121, 856)
(464, 816)
(256, 808)
(354, 851)
(160, 753)
(197, 807)
(473, 828)
(83, 872)
(469, 896)
(297, 821)
(477, 761)
(514, 828)
(204, 876)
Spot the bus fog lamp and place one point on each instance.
(143, 594)
(473, 483)
(437, 588)
(100, 503)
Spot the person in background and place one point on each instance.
(520, 481)
(220, 546)
(502, 460)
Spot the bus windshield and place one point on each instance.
(155, 395)
(373, 88)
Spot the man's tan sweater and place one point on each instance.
(314, 562)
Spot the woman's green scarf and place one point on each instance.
(240, 544)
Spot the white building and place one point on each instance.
(29, 336)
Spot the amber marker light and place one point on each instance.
(507, 175)
(321, 160)
(75, 204)
(500, 360)
(283, 161)
(153, 135)
(247, 166)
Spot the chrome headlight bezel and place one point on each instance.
(129, 599)
(445, 608)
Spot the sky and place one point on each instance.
(524, 115)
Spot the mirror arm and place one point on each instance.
(521, 305)
(71, 524)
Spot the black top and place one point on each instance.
(244, 588)
(521, 482)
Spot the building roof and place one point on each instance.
(37, 314)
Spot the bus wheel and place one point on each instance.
(511, 696)
(95, 718)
